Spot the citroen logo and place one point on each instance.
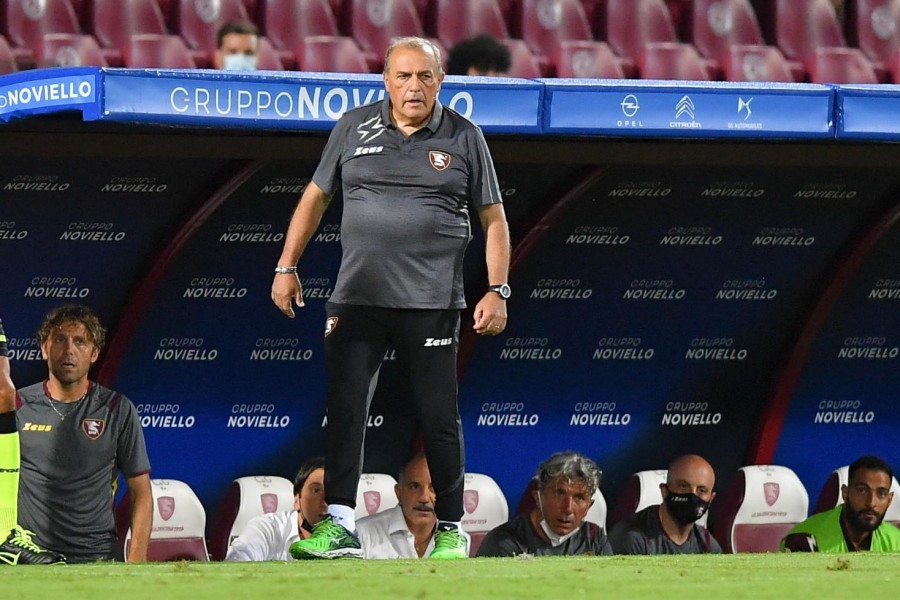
(630, 105)
(685, 106)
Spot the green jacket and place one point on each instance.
(826, 528)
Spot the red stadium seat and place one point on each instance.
(288, 22)
(759, 506)
(247, 497)
(586, 60)
(801, 26)
(544, 25)
(757, 63)
(456, 20)
(374, 24)
(716, 25)
(115, 21)
(267, 57)
(70, 50)
(632, 24)
(874, 27)
(840, 65)
(522, 62)
(27, 22)
(153, 51)
(7, 59)
(199, 22)
(670, 60)
(332, 54)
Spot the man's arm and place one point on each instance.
(500, 542)
(261, 539)
(490, 312)
(304, 222)
(141, 516)
(627, 539)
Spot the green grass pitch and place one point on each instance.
(726, 576)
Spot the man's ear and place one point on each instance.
(845, 492)
(397, 491)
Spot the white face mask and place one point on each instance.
(555, 538)
(239, 62)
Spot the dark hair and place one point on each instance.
(241, 27)
(306, 469)
(870, 463)
(76, 313)
(483, 52)
(401, 476)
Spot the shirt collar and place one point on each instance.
(436, 114)
(397, 523)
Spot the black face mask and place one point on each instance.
(686, 508)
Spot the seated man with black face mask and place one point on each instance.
(566, 483)
(670, 527)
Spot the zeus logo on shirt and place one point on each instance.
(361, 150)
(432, 342)
(37, 427)
(370, 130)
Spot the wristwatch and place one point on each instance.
(502, 289)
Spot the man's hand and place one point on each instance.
(490, 315)
(286, 288)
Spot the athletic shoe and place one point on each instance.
(19, 549)
(449, 542)
(328, 540)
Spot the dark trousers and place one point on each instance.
(426, 342)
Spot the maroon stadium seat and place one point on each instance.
(374, 24)
(28, 21)
(522, 62)
(632, 24)
(586, 60)
(115, 21)
(545, 24)
(840, 65)
(759, 506)
(70, 50)
(7, 59)
(288, 22)
(154, 51)
(456, 20)
(801, 26)
(716, 25)
(485, 508)
(268, 58)
(247, 497)
(199, 22)
(334, 54)
(757, 63)
(672, 60)
(874, 27)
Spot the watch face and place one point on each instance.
(503, 289)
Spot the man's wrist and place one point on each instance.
(501, 289)
(285, 269)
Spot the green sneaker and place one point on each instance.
(328, 540)
(449, 542)
(20, 549)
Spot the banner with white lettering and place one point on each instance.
(646, 320)
(42, 91)
(845, 403)
(72, 231)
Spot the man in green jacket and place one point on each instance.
(857, 525)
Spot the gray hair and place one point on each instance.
(570, 465)
(415, 43)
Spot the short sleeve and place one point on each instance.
(131, 449)
(328, 173)
(483, 186)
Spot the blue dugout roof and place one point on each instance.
(314, 101)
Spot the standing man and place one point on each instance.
(856, 525)
(18, 548)
(557, 524)
(408, 169)
(238, 46)
(76, 436)
(670, 527)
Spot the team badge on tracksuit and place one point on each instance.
(439, 160)
(330, 325)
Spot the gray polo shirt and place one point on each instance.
(643, 534)
(406, 201)
(70, 467)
